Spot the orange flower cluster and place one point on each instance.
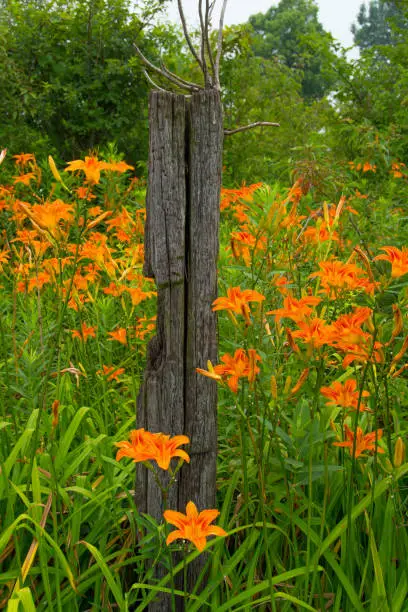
(397, 170)
(111, 244)
(84, 333)
(110, 373)
(364, 167)
(92, 168)
(193, 526)
(237, 301)
(232, 196)
(362, 442)
(244, 245)
(345, 395)
(337, 277)
(295, 309)
(144, 446)
(345, 333)
(232, 368)
(158, 447)
(398, 259)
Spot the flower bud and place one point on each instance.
(399, 452)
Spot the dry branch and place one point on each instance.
(250, 126)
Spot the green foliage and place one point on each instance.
(69, 79)
(262, 89)
(377, 24)
(292, 34)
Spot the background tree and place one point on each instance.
(69, 77)
(373, 98)
(254, 87)
(292, 34)
(378, 24)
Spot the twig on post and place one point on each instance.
(165, 73)
(250, 126)
(208, 11)
(183, 82)
(204, 43)
(219, 48)
(150, 80)
(187, 35)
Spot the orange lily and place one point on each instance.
(367, 442)
(347, 328)
(234, 367)
(91, 167)
(119, 335)
(315, 332)
(345, 395)
(295, 309)
(23, 158)
(84, 333)
(398, 259)
(24, 178)
(193, 526)
(110, 372)
(336, 276)
(165, 448)
(237, 301)
(47, 216)
(146, 446)
(139, 448)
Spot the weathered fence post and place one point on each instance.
(181, 249)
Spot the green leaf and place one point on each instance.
(24, 597)
(66, 441)
(113, 585)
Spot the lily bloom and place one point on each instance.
(119, 166)
(237, 301)
(367, 442)
(48, 216)
(345, 395)
(244, 244)
(146, 446)
(84, 333)
(315, 332)
(110, 372)
(119, 335)
(91, 167)
(84, 193)
(232, 196)
(24, 178)
(233, 368)
(114, 289)
(396, 169)
(367, 167)
(347, 328)
(23, 158)
(336, 276)
(398, 259)
(193, 526)
(139, 448)
(165, 448)
(295, 309)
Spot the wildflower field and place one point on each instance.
(312, 413)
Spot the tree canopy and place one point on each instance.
(378, 24)
(291, 33)
(69, 76)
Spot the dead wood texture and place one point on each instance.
(181, 250)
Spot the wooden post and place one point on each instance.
(181, 250)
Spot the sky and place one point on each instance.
(336, 17)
